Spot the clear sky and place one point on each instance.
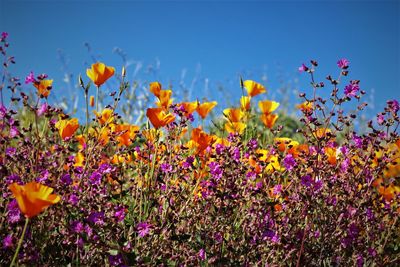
(217, 41)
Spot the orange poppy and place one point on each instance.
(44, 87)
(158, 117)
(205, 108)
(155, 88)
(284, 143)
(233, 114)
(305, 106)
(189, 107)
(202, 139)
(269, 120)
(99, 73)
(33, 197)
(67, 128)
(92, 101)
(125, 133)
(321, 132)
(253, 88)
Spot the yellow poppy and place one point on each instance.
(233, 114)
(79, 160)
(245, 102)
(253, 88)
(106, 116)
(99, 73)
(33, 197)
(164, 99)
(235, 127)
(189, 107)
(67, 128)
(44, 87)
(268, 106)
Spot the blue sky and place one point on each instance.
(218, 41)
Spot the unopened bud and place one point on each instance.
(81, 81)
(123, 72)
(92, 101)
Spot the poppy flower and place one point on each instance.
(202, 139)
(253, 88)
(43, 87)
(205, 108)
(99, 73)
(189, 107)
(155, 88)
(306, 106)
(284, 143)
(106, 116)
(233, 114)
(33, 197)
(269, 120)
(245, 102)
(235, 127)
(67, 128)
(125, 133)
(92, 101)
(164, 99)
(321, 132)
(268, 106)
(158, 117)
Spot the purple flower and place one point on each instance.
(4, 35)
(218, 237)
(14, 213)
(215, 170)
(252, 144)
(306, 180)
(77, 227)
(95, 178)
(119, 213)
(357, 140)
(303, 68)
(116, 260)
(289, 162)
(3, 111)
(277, 189)
(166, 168)
(10, 151)
(351, 89)
(13, 131)
(143, 228)
(219, 148)
(105, 168)
(360, 261)
(13, 178)
(393, 105)
(343, 63)
(236, 154)
(66, 179)
(42, 109)
(73, 199)
(202, 254)
(345, 165)
(96, 218)
(30, 78)
(8, 241)
(43, 177)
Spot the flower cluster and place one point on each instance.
(172, 191)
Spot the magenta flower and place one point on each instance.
(143, 228)
(343, 63)
(289, 162)
(303, 68)
(202, 254)
(4, 35)
(30, 78)
(8, 241)
(351, 89)
(393, 105)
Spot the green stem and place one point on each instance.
(19, 243)
(97, 99)
(87, 114)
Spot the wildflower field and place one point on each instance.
(187, 187)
